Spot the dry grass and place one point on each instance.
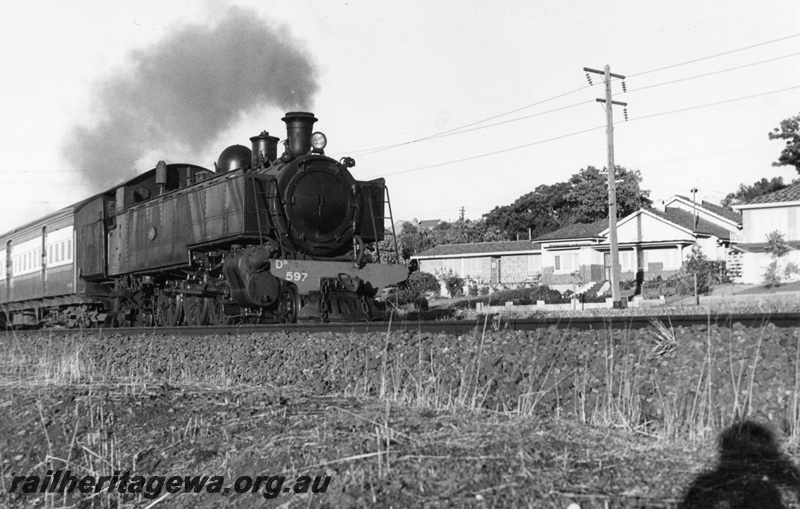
(410, 425)
(378, 453)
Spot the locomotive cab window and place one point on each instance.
(141, 194)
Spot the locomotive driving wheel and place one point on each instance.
(216, 311)
(289, 304)
(195, 309)
(169, 310)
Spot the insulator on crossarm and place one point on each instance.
(625, 112)
(624, 86)
(589, 79)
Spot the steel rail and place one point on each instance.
(781, 320)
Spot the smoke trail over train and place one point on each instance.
(187, 89)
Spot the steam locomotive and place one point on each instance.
(261, 238)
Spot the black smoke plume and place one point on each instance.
(186, 90)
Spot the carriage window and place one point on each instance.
(69, 250)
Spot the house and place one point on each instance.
(708, 211)
(651, 242)
(778, 211)
(655, 242)
(570, 257)
(429, 224)
(481, 261)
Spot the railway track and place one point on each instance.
(464, 326)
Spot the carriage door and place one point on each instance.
(495, 270)
(9, 265)
(90, 230)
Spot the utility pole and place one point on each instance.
(612, 184)
(694, 205)
(461, 210)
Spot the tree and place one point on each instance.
(463, 231)
(788, 130)
(543, 210)
(746, 193)
(581, 199)
(413, 240)
(588, 195)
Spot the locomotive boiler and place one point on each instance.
(263, 237)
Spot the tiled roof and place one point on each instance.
(429, 223)
(480, 247)
(717, 209)
(791, 193)
(686, 220)
(722, 211)
(576, 231)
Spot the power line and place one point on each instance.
(714, 103)
(496, 152)
(713, 56)
(465, 128)
(473, 125)
(714, 72)
(539, 142)
(491, 125)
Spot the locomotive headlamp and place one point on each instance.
(318, 141)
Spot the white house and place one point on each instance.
(652, 243)
(778, 211)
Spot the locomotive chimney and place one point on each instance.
(298, 131)
(265, 149)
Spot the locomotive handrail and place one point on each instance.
(391, 220)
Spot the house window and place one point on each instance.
(669, 258)
(627, 259)
(534, 264)
(567, 262)
(473, 267)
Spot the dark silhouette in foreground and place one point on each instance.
(752, 472)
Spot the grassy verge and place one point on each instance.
(629, 422)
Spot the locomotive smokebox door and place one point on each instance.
(320, 207)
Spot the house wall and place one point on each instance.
(514, 268)
(581, 275)
(754, 265)
(758, 223)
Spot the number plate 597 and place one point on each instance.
(296, 276)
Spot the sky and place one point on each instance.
(457, 104)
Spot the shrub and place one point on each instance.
(419, 284)
(452, 282)
(548, 295)
(709, 273)
(777, 247)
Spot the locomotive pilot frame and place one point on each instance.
(262, 238)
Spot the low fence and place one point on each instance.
(573, 305)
